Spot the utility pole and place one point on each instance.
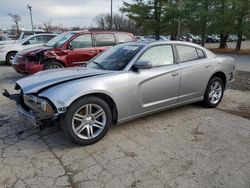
(31, 20)
(111, 15)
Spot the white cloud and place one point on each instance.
(64, 12)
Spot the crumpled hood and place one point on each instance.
(45, 79)
(34, 50)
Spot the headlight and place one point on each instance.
(47, 108)
(37, 103)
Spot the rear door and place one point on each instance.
(103, 41)
(195, 72)
(81, 50)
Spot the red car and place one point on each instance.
(67, 50)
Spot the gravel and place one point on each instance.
(242, 81)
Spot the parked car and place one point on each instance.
(188, 37)
(140, 38)
(232, 38)
(123, 83)
(28, 33)
(8, 51)
(67, 50)
(152, 37)
(4, 39)
(212, 38)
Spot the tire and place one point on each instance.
(77, 123)
(213, 97)
(10, 58)
(52, 65)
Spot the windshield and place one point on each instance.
(115, 58)
(59, 40)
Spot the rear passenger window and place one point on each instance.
(47, 38)
(200, 53)
(104, 39)
(186, 53)
(123, 38)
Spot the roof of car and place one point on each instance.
(146, 43)
(96, 31)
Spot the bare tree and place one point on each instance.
(16, 19)
(119, 22)
(47, 26)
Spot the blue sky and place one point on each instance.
(60, 12)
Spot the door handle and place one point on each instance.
(175, 74)
(92, 51)
(208, 65)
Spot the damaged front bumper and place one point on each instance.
(33, 116)
(28, 116)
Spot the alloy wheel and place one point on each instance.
(89, 121)
(215, 92)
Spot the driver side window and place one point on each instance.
(159, 55)
(82, 41)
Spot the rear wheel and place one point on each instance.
(214, 92)
(10, 58)
(53, 65)
(87, 120)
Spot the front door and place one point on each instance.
(157, 87)
(81, 50)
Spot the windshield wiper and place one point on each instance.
(99, 65)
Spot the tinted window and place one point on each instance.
(159, 55)
(200, 53)
(121, 38)
(186, 53)
(82, 41)
(105, 39)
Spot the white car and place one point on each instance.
(8, 51)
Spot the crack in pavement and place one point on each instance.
(68, 173)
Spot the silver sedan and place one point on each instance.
(123, 83)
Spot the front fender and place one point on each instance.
(63, 95)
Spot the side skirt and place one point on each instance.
(119, 121)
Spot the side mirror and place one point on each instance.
(143, 64)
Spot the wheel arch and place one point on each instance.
(53, 60)
(109, 100)
(12, 51)
(220, 75)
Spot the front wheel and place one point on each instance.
(53, 65)
(10, 58)
(214, 92)
(87, 120)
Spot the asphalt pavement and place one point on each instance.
(189, 146)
